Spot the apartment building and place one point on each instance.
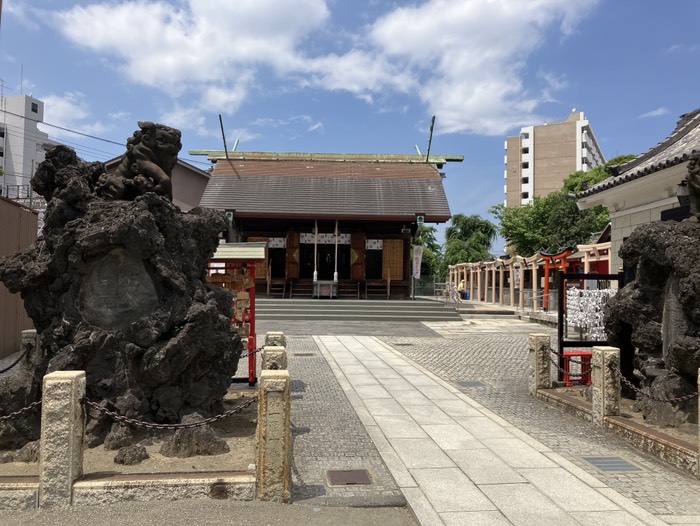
(22, 144)
(539, 159)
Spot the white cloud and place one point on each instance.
(23, 12)
(683, 48)
(658, 112)
(70, 111)
(464, 60)
(470, 56)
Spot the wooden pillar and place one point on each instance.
(535, 303)
(486, 285)
(501, 281)
(512, 284)
(478, 284)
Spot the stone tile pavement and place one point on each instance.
(486, 454)
(391, 398)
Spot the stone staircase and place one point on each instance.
(354, 310)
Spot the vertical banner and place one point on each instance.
(417, 260)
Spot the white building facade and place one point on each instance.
(539, 159)
(22, 144)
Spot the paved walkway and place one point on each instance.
(457, 462)
(446, 406)
(440, 417)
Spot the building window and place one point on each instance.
(525, 195)
(35, 107)
(525, 165)
(524, 135)
(526, 150)
(525, 180)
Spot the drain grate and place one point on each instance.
(304, 354)
(470, 385)
(348, 477)
(399, 344)
(612, 464)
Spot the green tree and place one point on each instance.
(432, 253)
(575, 182)
(468, 239)
(554, 222)
(549, 223)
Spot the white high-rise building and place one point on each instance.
(22, 144)
(539, 159)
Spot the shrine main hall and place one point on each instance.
(336, 225)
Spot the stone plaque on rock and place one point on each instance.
(117, 291)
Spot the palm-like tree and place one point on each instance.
(468, 239)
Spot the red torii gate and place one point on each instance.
(556, 261)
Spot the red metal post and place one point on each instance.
(252, 361)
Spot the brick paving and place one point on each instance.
(494, 352)
(328, 435)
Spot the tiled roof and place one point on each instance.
(354, 189)
(675, 149)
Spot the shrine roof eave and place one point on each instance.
(397, 218)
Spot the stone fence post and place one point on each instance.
(539, 360)
(274, 358)
(274, 338)
(62, 437)
(32, 346)
(274, 437)
(606, 389)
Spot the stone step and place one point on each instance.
(358, 310)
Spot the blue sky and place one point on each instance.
(357, 76)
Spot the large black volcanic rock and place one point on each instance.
(655, 319)
(117, 288)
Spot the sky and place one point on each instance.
(356, 76)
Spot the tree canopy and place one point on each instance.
(554, 222)
(468, 239)
(576, 181)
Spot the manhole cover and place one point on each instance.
(612, 464)
(348, 477)
(470, 385)
(304, 354)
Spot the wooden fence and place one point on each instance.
(18, 227)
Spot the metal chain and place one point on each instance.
(20, 412)
(152, 425)
(637, 390)
(251, 353)
(570, 373)
(15, 362)
(570, 358)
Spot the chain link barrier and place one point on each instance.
(571, 360)
(638, 391)
(15, 362)
(152, 425)
(21, 412)
(252, 352)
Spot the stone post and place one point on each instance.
(274, 437)
(606, 388)
(274, 358)
(62, 437)
(30, 344)
(275, 339)
(539, 360)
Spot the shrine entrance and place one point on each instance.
(325, 261)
